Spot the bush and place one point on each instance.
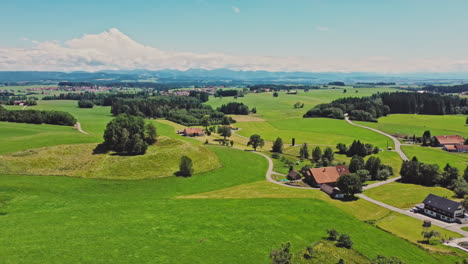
(344, 241)
(275, 155)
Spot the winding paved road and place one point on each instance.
(78, 127)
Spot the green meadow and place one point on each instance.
(408, 124)
(437, 156)
(114, 209)
(61, 219)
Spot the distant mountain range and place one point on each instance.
(227, 76)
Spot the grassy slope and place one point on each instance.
(406, 124)
(50, 219)
(408, 194)
(437, 156)
(161, 160)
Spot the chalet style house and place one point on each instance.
(192, 132)
(442, 208)
(326, 175)
(452, 143)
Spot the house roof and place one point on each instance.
(328, 174)
(450, 147)
(329, 189)
(194, 130)
(441, 203)
(450, 140)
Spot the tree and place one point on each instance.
(341, 261)
(206, 122)
(373, 166)
(317, 154)
(344, 241)
(449, 175)
(185, 166)
(298, 105)
(342, 149)
(363, 175)
(344, 90)
(349, 184)
(329, 154)
(232, 143)
(428, 234)
(275, 94)
(125, 135)
(304, 151)
(226, 121)
(460, 188)
(293, 142)
(278, 146)
(465, 174)
(151, 134)
(464, 203)
(85, 103)
(309, 252)
(256, 141)
(332, 234)
(224, 131)
(356, 163)
(281, 255)
(387, 260)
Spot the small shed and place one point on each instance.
(293, 175)
(334, 192)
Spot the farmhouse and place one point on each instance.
(192, 132)
(447, 141)
(292, 92)
(334, 192)
(442, 208)
(461, 148)
(326, 175)
(19, 102)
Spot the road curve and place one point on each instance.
(395, 140)
(78, 127)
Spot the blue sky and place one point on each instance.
(317, 29)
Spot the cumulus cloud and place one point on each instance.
(113, 50)
(236, 9)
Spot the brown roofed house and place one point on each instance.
(192, 132)
(449, 140)
(461, 148)
(326, 175)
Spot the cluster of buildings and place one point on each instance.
(452, 143)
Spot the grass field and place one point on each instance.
(53, 219)
(408, 194)
(406, 124)
(161, 160)
(437, 156)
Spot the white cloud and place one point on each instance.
(112, 50)
(322, 28)
(236, 9)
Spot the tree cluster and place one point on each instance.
(234, 108)
(357, 148)
(85, 103)
(227, 93)
(342, 240)
(381, 104)
(202, 96)
(279, 87)
(184, 110)
(37, 117)
(337, 83)
(350, 184)
(127, 135)
(372, 169)
(447, 89)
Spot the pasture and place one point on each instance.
(409, 124)
(437, 156)
(53, 219)
(406, 196)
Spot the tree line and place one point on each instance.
(37, 117)
(372, 107)
(447, 89)
(416, 172)
(184, 110)
(278, 87)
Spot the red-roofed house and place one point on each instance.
(326, 175)
(192, 132)
(449, 140)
